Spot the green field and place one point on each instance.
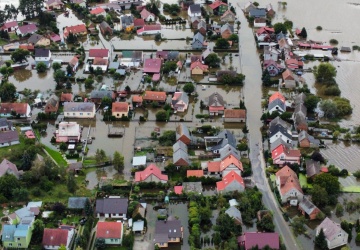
(351, 189)
(3, 42)
(56, 156)
(303, 181)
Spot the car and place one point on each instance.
(236, 54)
(82, 221)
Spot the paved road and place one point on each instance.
(251, 68)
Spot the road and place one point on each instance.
(251, 68)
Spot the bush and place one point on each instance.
(319, 28)
(200, 116)
(332, 90)
(36, 192)
(334, 41)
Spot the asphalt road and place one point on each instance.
(252, 92)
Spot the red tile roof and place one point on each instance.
(29, 134)
(276, 95)
(155, 96)
(287, 75)
(66, 97)
(216, 4)
(281, 149)
(196, 173)
(149, 27)
(120, 107)
(253, 239)
(139, 22)
(9, 25)
(145, 14)
(98, 53)
(26, 46)
(97, 11)
(152, 169)
(80, 28)
(55, 237)
(152, 65)
(213, 166)
(199, 65)
(230, 160)
(266, 30)
(235, 113)
(19, 108)
(108, 230)
(74, 61)
(288, 180)
(178, 189)
(137, 98)
(216, 109)
(228, 179)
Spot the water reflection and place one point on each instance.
(22, 75)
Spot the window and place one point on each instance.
(81, 113)
(68, 113)
(73, 113)
(19, 244)
(88, 113)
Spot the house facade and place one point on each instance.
(120, 109)
(288, 185)
(54, 238)
(43, 55)
(16, 236)
(234, 115)
(52, 105)
(77, 30)
(249, 240)
(13, 109)
(194, 10)
(282, 155)
(168, 232)
(180, 101)
(79, 110)
(183, 134)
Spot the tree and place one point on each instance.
(41, 67)
(71, 39)
(56, 66)
(325, 73)
(329, 182)
(158, 37)
(20, 55)
(320, 240)
(189, 87)
(242, 146)
(89, 83)
(319, 196)
(59, 76)
(106, 101)
(100, 243)
(234, 38)
(118, 162)
(357, 174)
(226, 227)
(266, 223)
(100, 156)
(168, 138)
(311, 102)
(169, 66)
(38, 231)
(7, 91)
(266, 78)
(20, 194)
(213, 60)
(8, 183)
(71, 183)
(280, 27)
(288, 24)
(62, 247)
(230, 79)
(69, 70)
(303, 33)
(329, 108)
(88, 208)
(161, 116)
(298, 225)
(222, 43)
(127, 89)
(339, 210)
(343, 106)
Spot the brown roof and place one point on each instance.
(109, 230)
(19, 108)
(287, 75)
(196, 173)
(155, 96)
(80, 28)
(120, 107)
(100, 61)
(66, 97)
(74, 61)
(98, 52)
(137, 98)
(288, 180)
(55, 237)
(235, 113)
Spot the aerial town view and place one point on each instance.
(179, 124)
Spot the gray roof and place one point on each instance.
(114, 65)
(179, 145)
(300, 98)
(215, 100)
(198, 37)
(257, 12)
(34, 38)
(7, 167)
(79, 106)
(42, 52)
(173, 55)
(53, 101)
(202, 24)
(312, 167)
(164, 230)
(100, 94)
(5, 123)
(104, 25)
(227, 150)
(331, 229)
(300, 108)
(112, 205)
(280, 121)
(138, 226)
(180, 155)
(127, 20)
(227, 26)
(24, 212)
(75, 166)
(182, 129)
(279, 142)
(307, 206)
(9, 136)
(304, 135)
(77, 202)
(195, 8)
(8, 232)
(195, 187)
(299, 119)
(277, 102)
(184, 97)
(121, 71)
(278, 128)
(234, 213)
(222, 139)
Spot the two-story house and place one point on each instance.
(79, 110)
(112, 207)
(43, 55)
(288, 185)
(112, 232)
(334, 234)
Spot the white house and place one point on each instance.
(43, 55)
(112, 232)
(271, 53)
(147, 16)
(231, 182)
(334, 234)
(112, 207)
(194, 10)
(79, 110)
(288, 185)
(278, 131)
(81, 3)
(54, 238)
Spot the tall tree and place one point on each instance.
(329, 182)
(325, 73)
(319, 196)
(100, 156)
(303, 33)
(38, 231)
(7, 91)
(20, 55)
(8, 183)
(71, 183)
(118, 162)
(320, 240)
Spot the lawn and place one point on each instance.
(3, 42)
(56, 156)
(303, 181)
(272, 177)
(351, 189)
(13, 36)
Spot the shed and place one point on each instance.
(139, 161)
(138, 226)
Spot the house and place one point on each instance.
(334, 234)
(186, 3)
(313, 168)
(228, 164)
(226, 30)
(276, 106)
(264, 33)
(300, 98)
(98, 12)
(26, 29)
(81, 3)
(138, 226)
(54, 4)
(216, 104)
(131, 58)
(271, 53)
(173, 56)
(308, 209)
(96, 96)
(278, 131)
(100, 53)
(100, 59)
(234, 115)
(197, 68)
(75, 167)
(218, 7)
(307, 141)
(180, 102)
(155, 96)
(180, 154)
(77, 202)
(151, 174)
(39, 40)
(300, 117)
(294, 64)
(279, 121)
(43, 55)
(270, 12)
(13, 109)
(217, 142)
(198, 41)
(249, 240)
(248, 7)
(112, 207)
(137, 100)
(282, 155)
(74, 63)
(5, 125)
(26, 46)
(272, 67)
(183, 134)
(259, 22)
(230, 182)
(288, 79)
(127, 22)
(194, 22)
(228, 16)
(112, 232)
(147, 16)
(149, 29)
(257, 13)
(168, 232)
(54, 238)
(77, 30)
(178, 190)
(79, 110)
(10, 26)
(139, 23)
(202, 27)
(195, 173)
(120, 109)
(288, 185)
(68, 132)
(7, 167)
(152, 66)
(194, 10)
(235, 214)
(52, 105)
(105, 28)
(66, 97)
(279, 141)
(229, 150)
(16, 236)
(8, 138)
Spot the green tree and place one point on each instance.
(161, 116)
(41, 67)
(189, 87)
(56, 66)
(311, 102)
(266, 223)
(106, 102)
(100, 156)
(329, 108)
(38, 231)
(71, 183)
(100, 243)
(226, 226)
(242, 146)
(325, 73)
(158, 37)
(59, 76)
(118, 162)
(169, 66)
(319, 196)
(168, 138)
(20, 194)
(266, 78)
(298, 225)
(329, 182)
(71, 39)
(20, 55)
(62, 247)
(343, 106)
(234, 38)
(320, 240)
(89, 83)
(7, 91)
(8, 183)
(88, 208)
(303, 33)
(222, 43)
(288, 24)
(212, 60)
(280, 27)
(339, 210)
